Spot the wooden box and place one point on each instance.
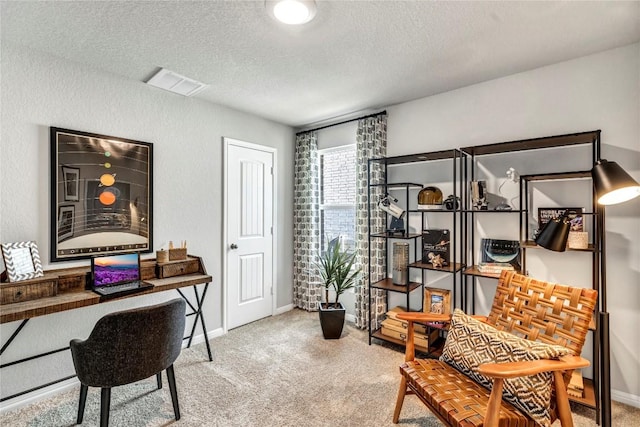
(177, 254)
(178, 268)
(72, 282)
(401, 328)
(147, 269)
(418, 339)
(27, 290)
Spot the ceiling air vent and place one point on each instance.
(174, 82)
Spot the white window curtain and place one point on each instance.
(306, 223)
(371, 143)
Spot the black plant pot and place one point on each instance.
(331, 320)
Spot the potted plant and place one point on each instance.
(336, 270)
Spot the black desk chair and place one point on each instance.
(129, 346)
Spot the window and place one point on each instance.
(338, 196)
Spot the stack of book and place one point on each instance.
(394, 328)
(576, 385)
(494, 267)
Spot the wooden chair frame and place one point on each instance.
(531, 309)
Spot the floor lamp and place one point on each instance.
(612, 186)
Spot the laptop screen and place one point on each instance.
(115, 269)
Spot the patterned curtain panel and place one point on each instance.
(306, 223)
(371, 144)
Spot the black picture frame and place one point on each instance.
(104, 185)
(71, 183)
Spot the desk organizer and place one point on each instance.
(177, 268)
(177, 254)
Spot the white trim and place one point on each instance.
(226, 141)
(322, 151)
(71, 383)
(38, 395)
(626, 398)
(199, 339)
(283, 309)
(350, 317)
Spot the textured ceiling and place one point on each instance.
(354, 56)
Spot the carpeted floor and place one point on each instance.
(275, 372)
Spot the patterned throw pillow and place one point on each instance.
(471, 343)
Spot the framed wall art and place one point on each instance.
(21, 260)
(101, 195)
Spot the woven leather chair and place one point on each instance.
(528, 308)
(129, 346)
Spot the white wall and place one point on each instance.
(600, 91)
(39, 91)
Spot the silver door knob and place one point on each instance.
(233, 246)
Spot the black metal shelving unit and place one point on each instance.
(455, 265)
(597, 390)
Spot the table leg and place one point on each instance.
(13, 336)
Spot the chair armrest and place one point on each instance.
(411, 317)
(418, 316)
(531, 367)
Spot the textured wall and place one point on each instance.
(39, 91)
(600, 91)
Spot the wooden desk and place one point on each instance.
(72, 300)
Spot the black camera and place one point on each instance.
(451, 203)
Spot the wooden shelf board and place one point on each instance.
(534, 143)
(530, 244)
(447, 269)
(473, 271)
(398, 185)
(557, 176)
(388, 285)
(421, 157)
(492, 211)
(396, 236)
(589, 395)
(435, 350)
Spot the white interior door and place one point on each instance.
(249, 232)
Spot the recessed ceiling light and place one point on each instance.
(291, 12)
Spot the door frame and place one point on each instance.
(226, 142)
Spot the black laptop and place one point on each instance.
(117, 275)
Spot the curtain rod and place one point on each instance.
(343, 122)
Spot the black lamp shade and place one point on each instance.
(554, 234)
(613, 185)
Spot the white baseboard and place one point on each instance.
(626, 398)
(283, 309)
(71, 383)
(350, 318)
(197, 339)
(38, 395)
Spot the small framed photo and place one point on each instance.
(21, 260)
(437, 301)
(66, 217)
(71, 180)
